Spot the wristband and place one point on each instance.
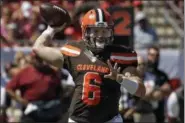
(130, 85)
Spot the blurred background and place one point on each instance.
(138, 24)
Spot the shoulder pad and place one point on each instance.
(70, 49)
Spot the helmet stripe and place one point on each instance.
(97, 15)
(103, 16)
(100, 13)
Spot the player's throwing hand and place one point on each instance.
(114, 72)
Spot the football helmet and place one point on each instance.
(97, 29)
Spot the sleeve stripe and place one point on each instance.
(124, 54)
(70, 50)
(68, 54)
(124, 62)
(124, 58)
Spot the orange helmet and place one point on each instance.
(99, 19)
(96, 17)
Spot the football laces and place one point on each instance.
(58, 8)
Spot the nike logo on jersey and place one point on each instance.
(90, 55)
(90, 67)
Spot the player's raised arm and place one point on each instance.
(57, 18)
(49, 54)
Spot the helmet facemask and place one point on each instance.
(97, 37)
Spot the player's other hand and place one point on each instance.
(114, 72)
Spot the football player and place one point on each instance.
(96, 66)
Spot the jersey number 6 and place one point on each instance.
(91, 86)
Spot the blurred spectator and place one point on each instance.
(180, 4)
(141, 68)
(156, 80)
(126, 105)
(22, 60)
(79, 3)
(144, 34)
(20, 21)
(144, 111)
(175, 106)
(19, 59)
(40, 87)
(127, 102)
(138, 6)
(3, 103)
(32, 27)
(26, 8)
(105, 4)
(69, 5)
(7, 26)
(10, 71)
(125, 3)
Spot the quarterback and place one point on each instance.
(97, 66)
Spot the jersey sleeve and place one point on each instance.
(124, 56)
